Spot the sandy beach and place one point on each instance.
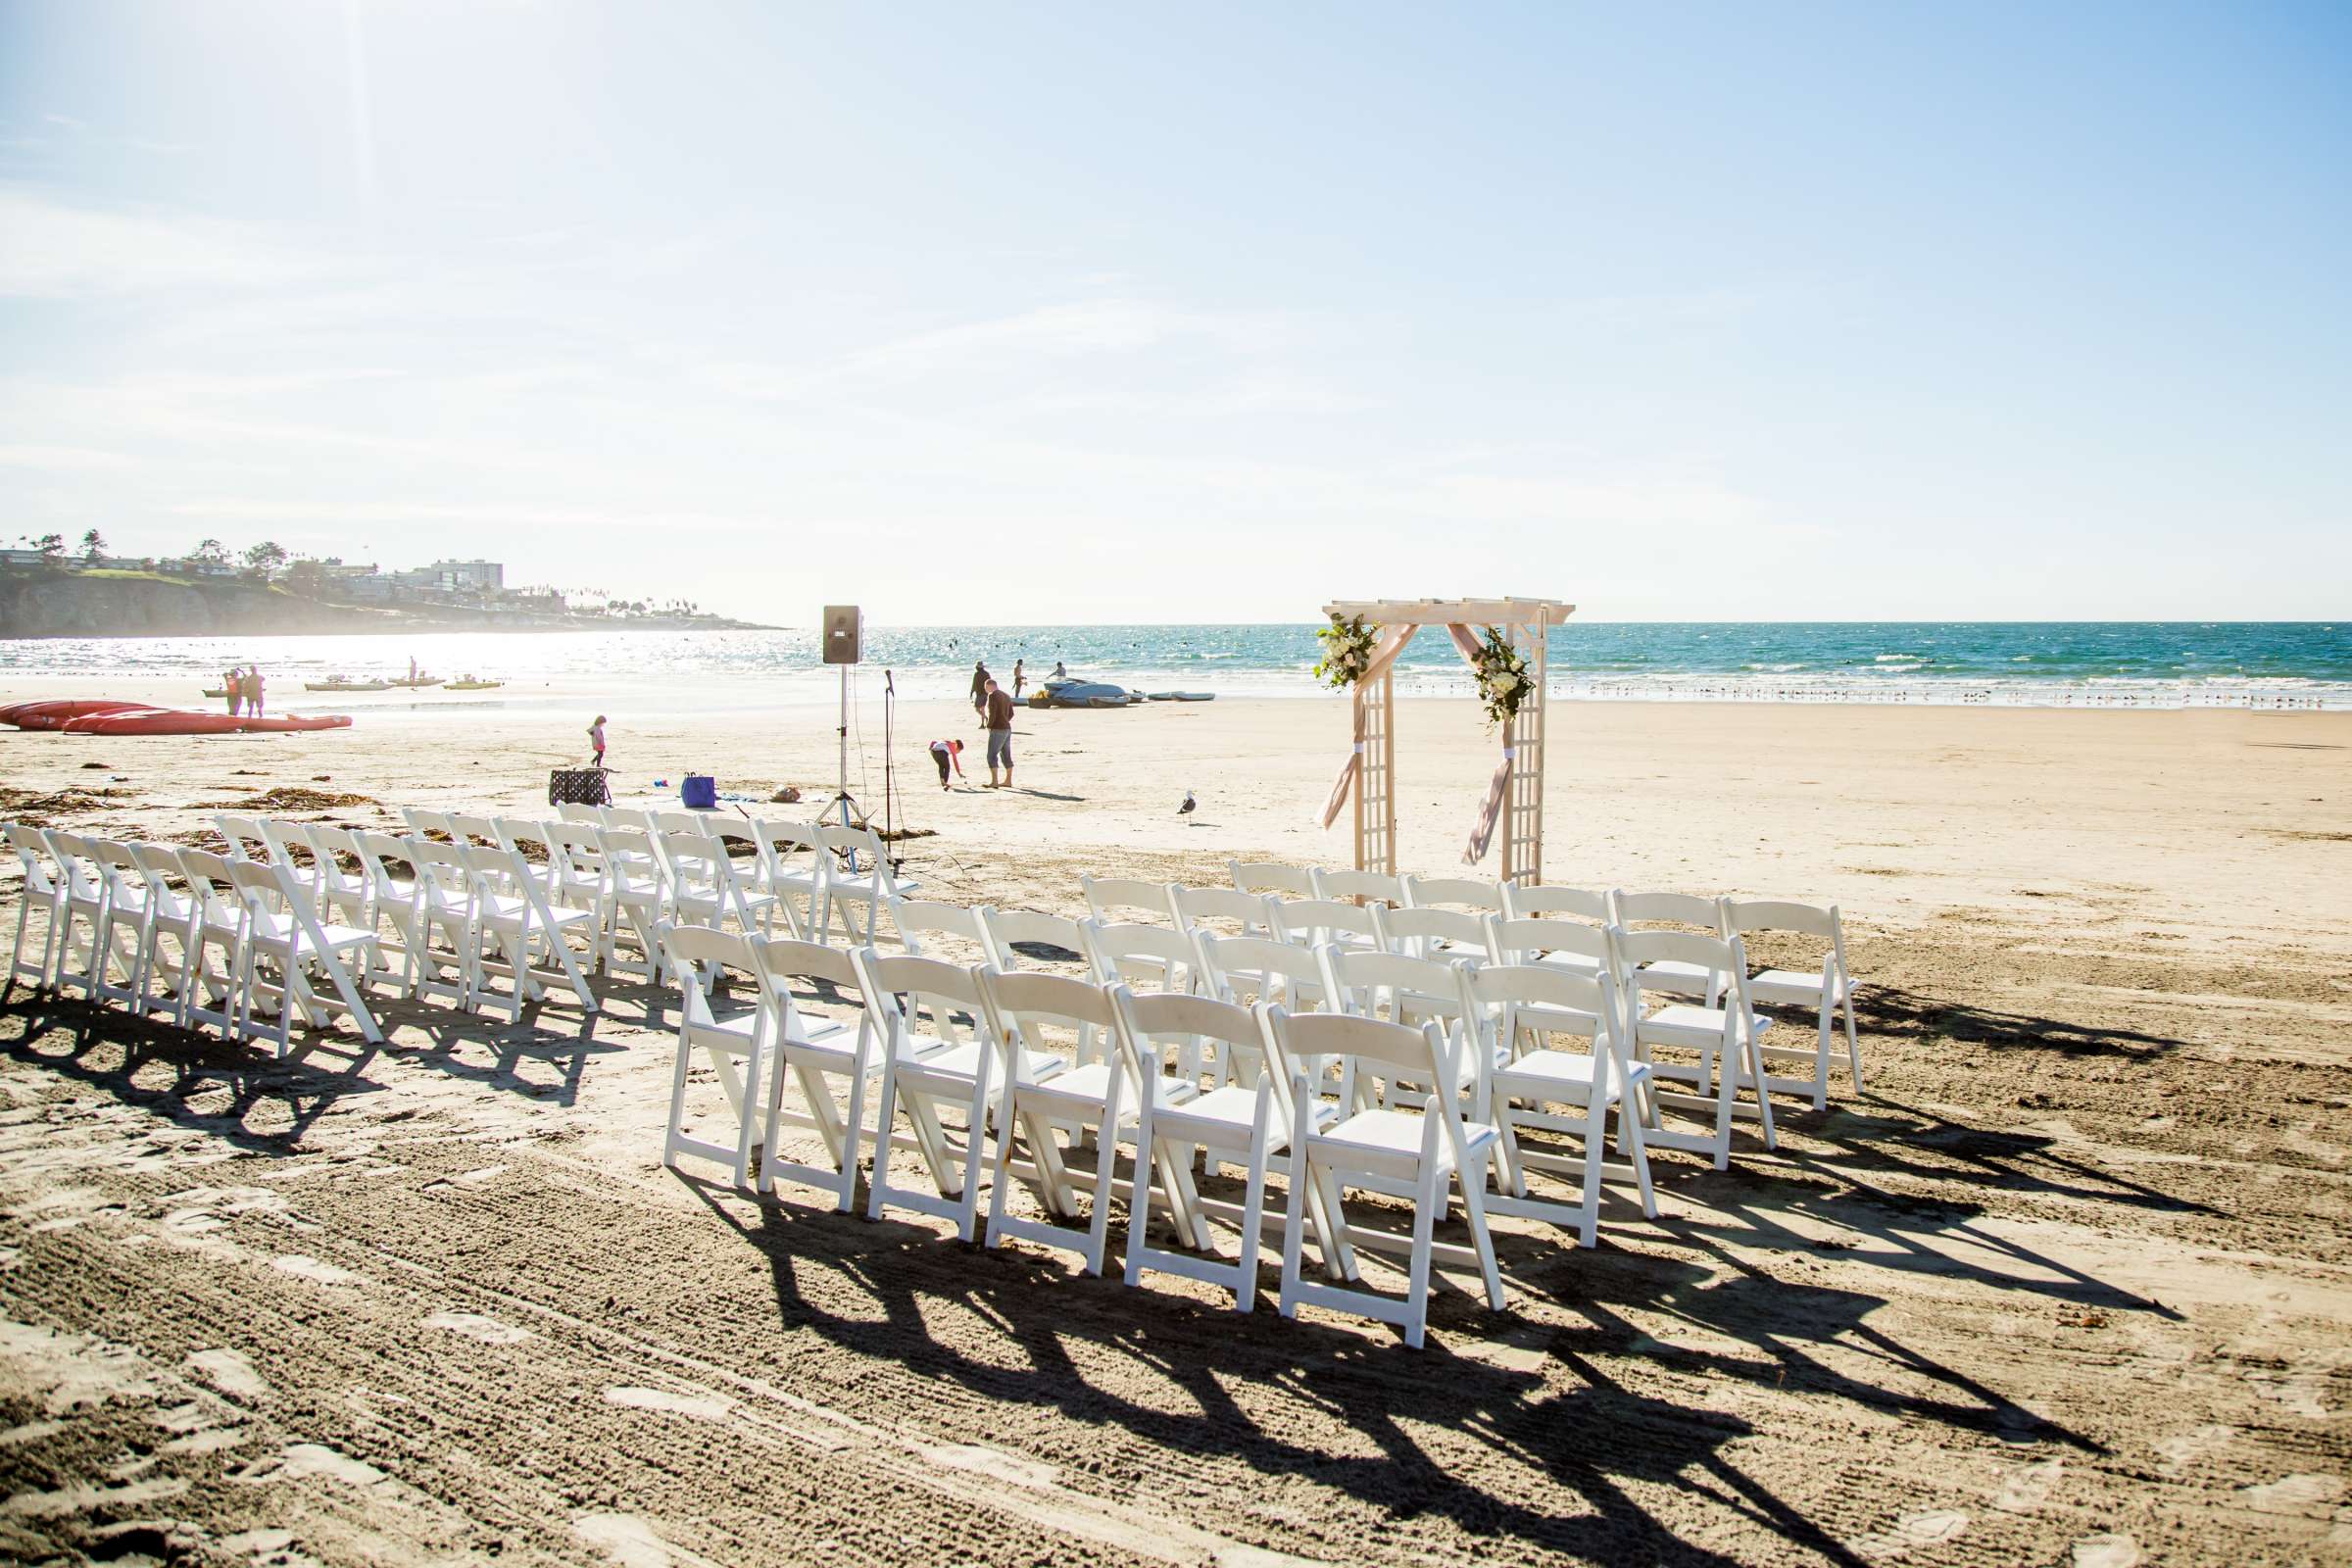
(2068, 1283)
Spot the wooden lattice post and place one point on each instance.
(1523, 819)
(1376, 782)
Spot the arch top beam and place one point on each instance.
(1453, 612)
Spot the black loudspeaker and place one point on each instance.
(844, 628)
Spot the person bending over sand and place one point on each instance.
(944, 752)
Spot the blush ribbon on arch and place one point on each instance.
(1384, 655)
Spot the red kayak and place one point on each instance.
(57, 712)
(183, 721)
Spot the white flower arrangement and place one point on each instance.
(1347, 652)
(1503, 679)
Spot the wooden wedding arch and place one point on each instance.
(1515, 795)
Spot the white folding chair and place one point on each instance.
(219, 930)
(794, 862)
(1225, 913)
(1826, 992)
(125, 925)
(860, 875)
(1176, 1122)
(925, 1073)
(743, 879)
(814, 1050)
(43, 888)
(472, 828)
(1274, 877)
(174, 936)
(1316, 922)
(1722, 1039)
(639, 895)
(1569, 946)
(1476, 895)
(441, 936)
(690, 872)
(81, 907)
(1128, 898)
(1155, 957)
(1246, 969)
(1378, 887)
(921, 922)
(511, 916)
(1520, 1011)
(423, 821)
(282, 927)
(577, 877)
(1008, 932)
(1427, 1154)
(1429, 933)
(1630, 911)
(700, 956)
(1537, 900)
(1040, 1094)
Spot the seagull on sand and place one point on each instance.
(1186, 810)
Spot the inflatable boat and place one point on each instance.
(181, 721)
(337, 683)
(57, 712)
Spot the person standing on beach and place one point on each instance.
(235, 687)
(253, 690)
(980, 683)
(596, 741)
(944, 752)
(998, 719)
(1018, 680)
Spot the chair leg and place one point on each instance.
(885, 1112)
(1473, 1203)
(1854, 1046)
(1293, 1232)
(1253, 1211)
(1416, 1279)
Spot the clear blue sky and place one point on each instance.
(1094, 312)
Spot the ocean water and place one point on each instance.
(2091, 663)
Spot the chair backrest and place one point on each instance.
(159, 865)
(1004, 927)
(1742, 915)
(575, 811)
(330, 845)
(698, 955)
(1466, 892)
(696, 822)
(788, 965)
(1511, 1004)
(33, 853)
(635, 864)
(209, 881)
(78, 869)
(441, 867)
(420, 820)
(1517, 941)
(1235, 969)
(1666, 908)
(1313, 921)
(576, 850)
(1242, 914)
(917, 918)
(1524, 902)
(793, 852)
(1105, 894)
(519, 834)
(628, 816)
(494, 869)
(118, 871)
(1203, 1032)
(1723, 957)
(1129, 953)
(383, 859)
(1419, 932)
(899, 987)
(688, 858)
(246, 841)
(1359, 980)
(469, 825)
(1359, 885)
(1031, 1010)
(282, 837)
(1275, 878)
(1306, 1041)
(263, 886)
(862, 842)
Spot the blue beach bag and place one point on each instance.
(699, 792)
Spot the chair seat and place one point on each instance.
(1558, 1075)
(1576, 963)
(1673, 974)
(739, 1026)
(1086, 1088)
(1685, 1024)
(1387, 1136)
(276, 930)
(964, 1060)
(1796, 987)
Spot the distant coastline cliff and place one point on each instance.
(55, 602)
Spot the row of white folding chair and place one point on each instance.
(1828, 993)
(984, 1048)
(478, 890)
(1288, 881)
(156, 916)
